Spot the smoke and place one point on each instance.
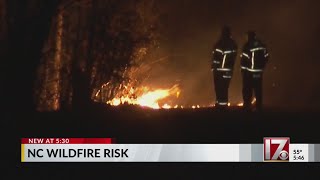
(289, 28)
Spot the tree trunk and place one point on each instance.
(28, 28)
(82, 71)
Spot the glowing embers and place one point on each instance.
(253, 102)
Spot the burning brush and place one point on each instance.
(142, 96)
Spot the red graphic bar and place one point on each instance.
(66, 141)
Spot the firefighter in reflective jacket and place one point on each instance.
(254, 58)
(224, 56)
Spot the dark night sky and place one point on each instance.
(290, 28)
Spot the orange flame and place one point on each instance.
(148, 99)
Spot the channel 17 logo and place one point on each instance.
(276, 149)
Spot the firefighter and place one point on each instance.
(223, 60)
(254, 58)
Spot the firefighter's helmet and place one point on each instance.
(251, 35)
(226, 31)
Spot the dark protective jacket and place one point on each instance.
(254, 56)
(224, 55)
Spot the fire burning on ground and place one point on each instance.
(148, 97)
(144, 96)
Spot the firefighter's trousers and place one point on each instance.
(221, 86)
(252, 83)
